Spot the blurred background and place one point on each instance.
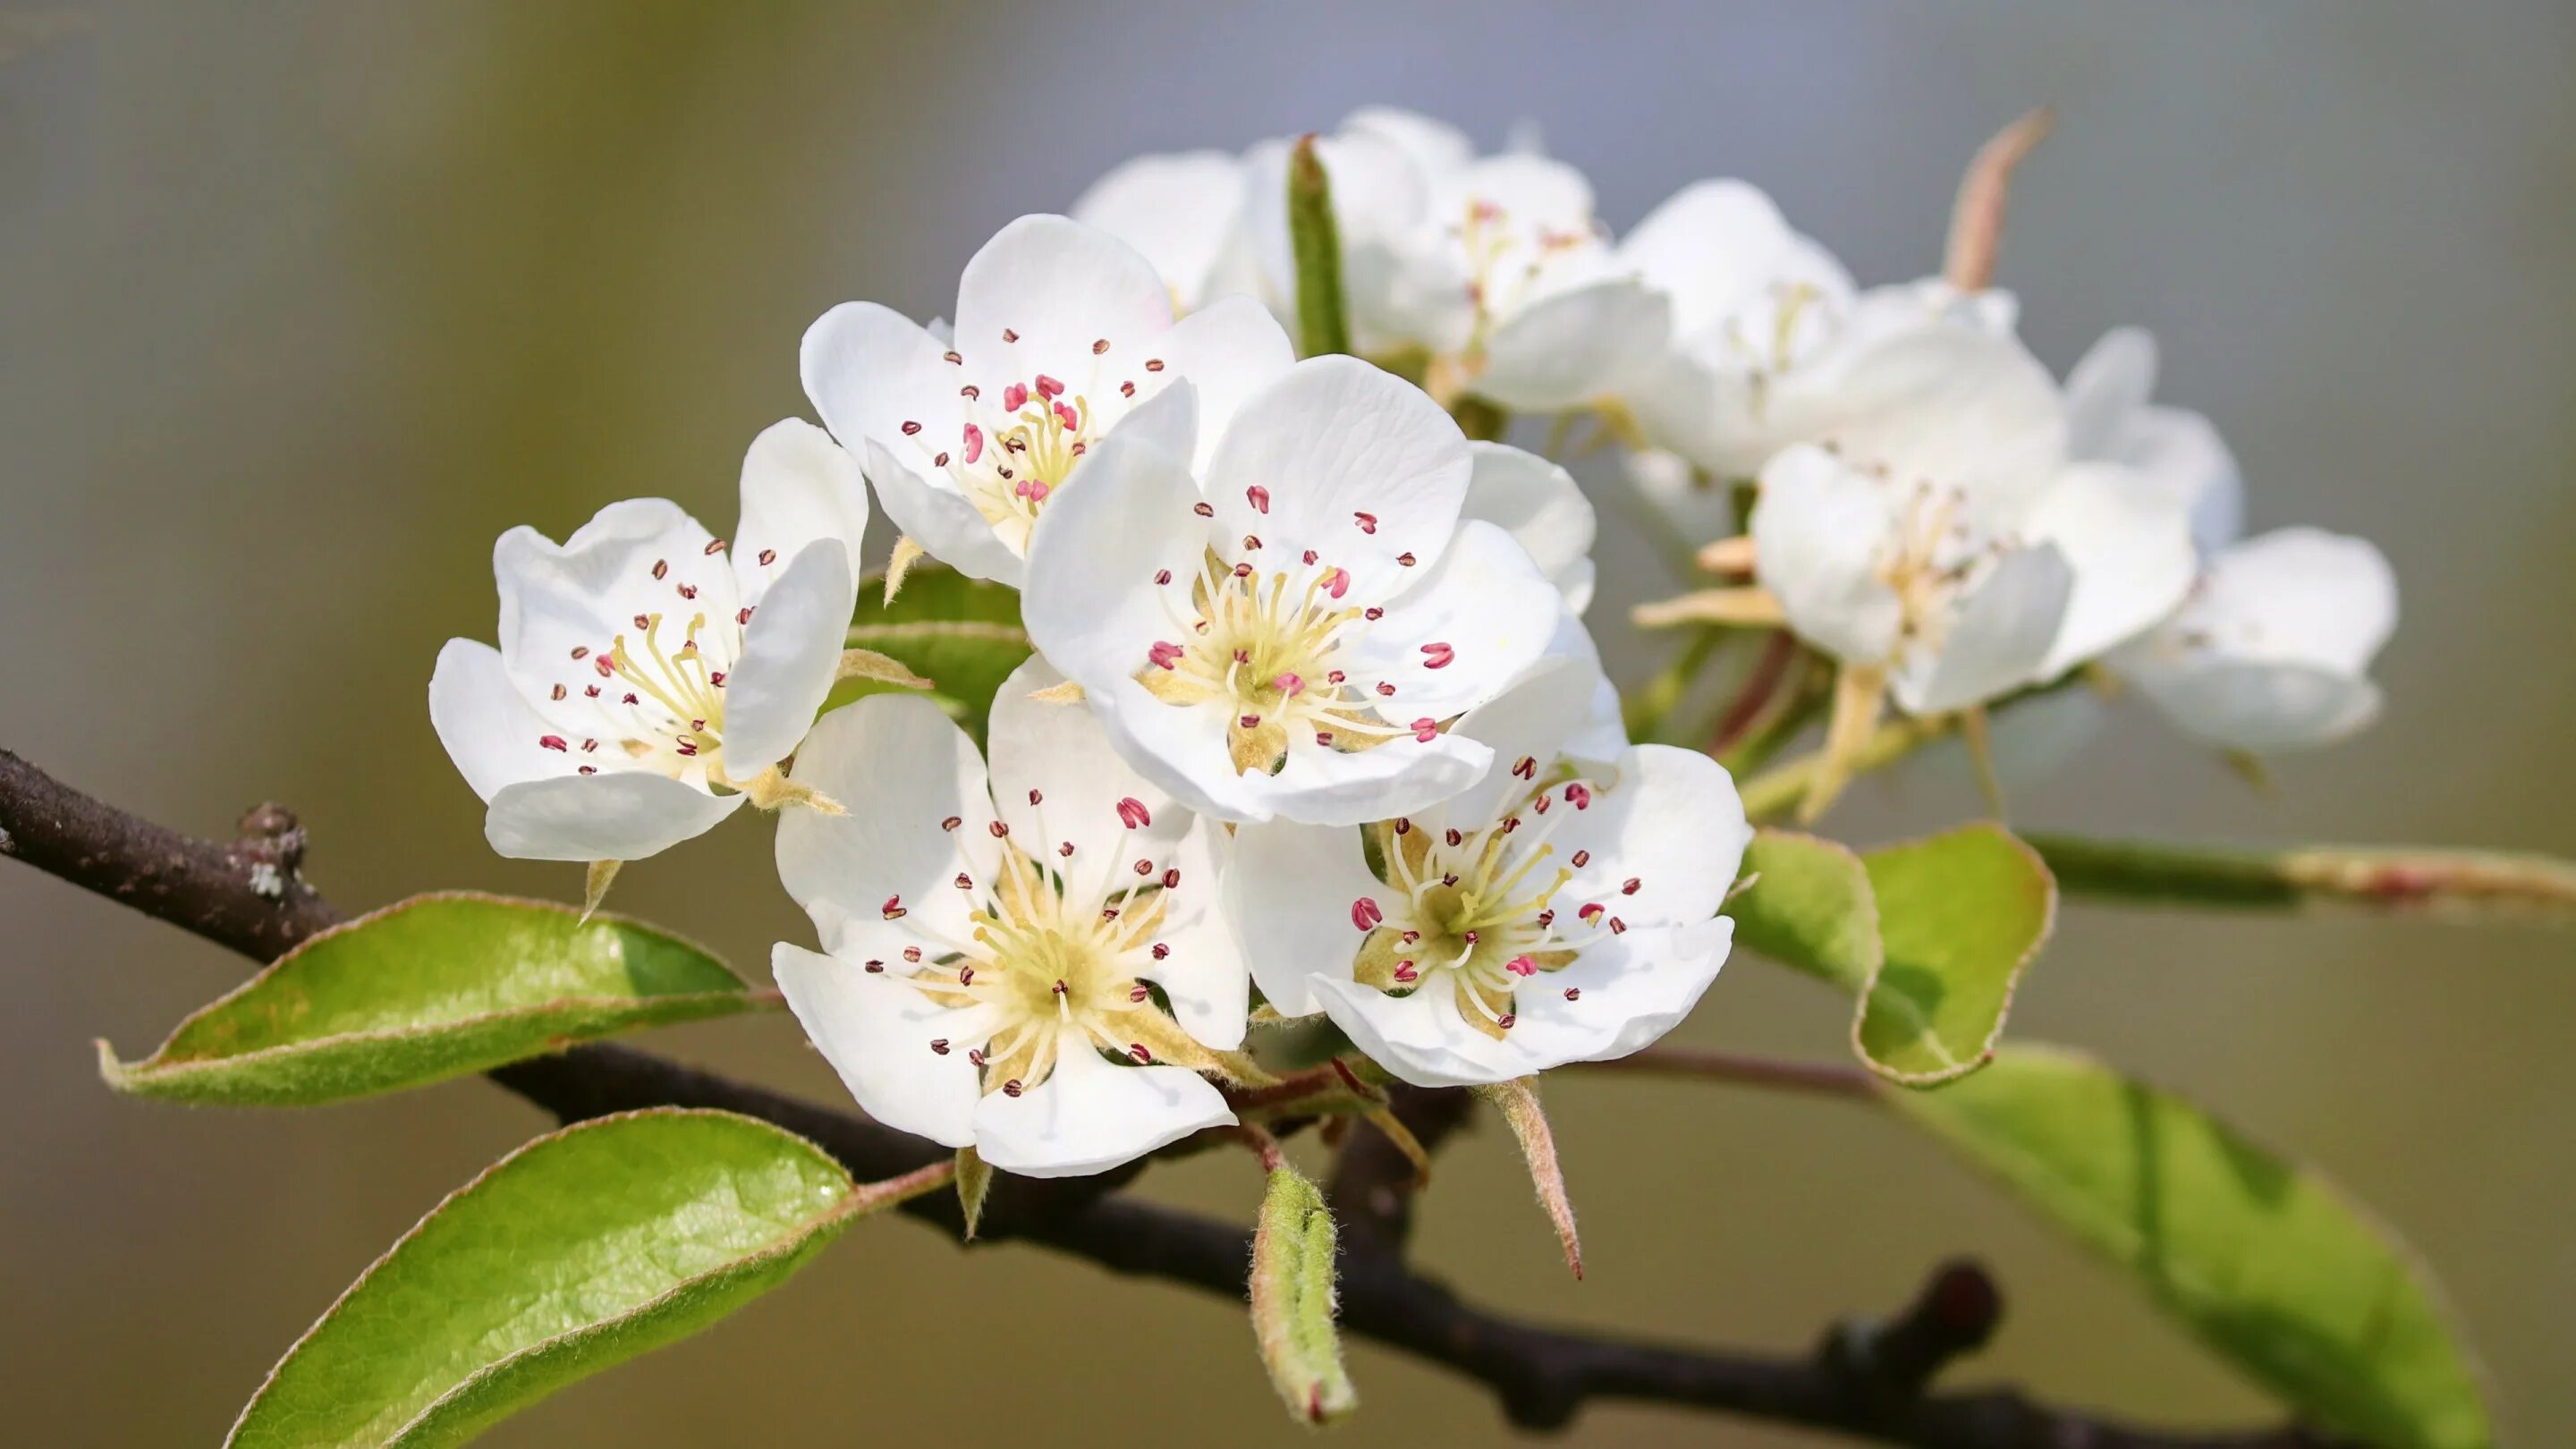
(300, 306)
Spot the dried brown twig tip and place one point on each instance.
(1977, 219)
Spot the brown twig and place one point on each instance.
(1865, 1381)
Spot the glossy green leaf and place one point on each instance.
(1809, 906)
(1960, 914)
(2263, 1259)
(438, 986)
(962, 634)
(574, 1253)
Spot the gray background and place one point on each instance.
(300, 306)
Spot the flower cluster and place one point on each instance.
(1312, 711)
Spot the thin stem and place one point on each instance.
(1776, 791)
(2382, 879)
(1830, 1079)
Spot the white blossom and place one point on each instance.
(994, 940)
(649, 679)
(1750, 299)
(1937, 529)
(1558, 910)
(2272, 652)
(1062, 332)
(1288, 628)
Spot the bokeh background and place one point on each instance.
(301, 305)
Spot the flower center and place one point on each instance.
(1479, 914)
(1931, 558)
(1506, 259)
(653, 696)
(1049, 964)
(1269, 650)
(1017, 441)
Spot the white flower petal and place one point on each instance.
(1938, 397)
(1089, 1116)
(1229, 350)
(1531, 719)
(2269, 653)
(1628, 991)
(1542, 508)
(2181, 456)
(2300, 595)
(1290, 893)
(488, 727)
(798, 487)
(1603, 736)
(1182, 211)
(1673, 824)
(2262, 707)
(1356, 464)
(2178, 453)
(1714, 246)
(1061, 752)
(1056, 286)
(1534, 192)
(1090, 604)
(869, 369)
(790, 653)
(1470, 623)
(583, 593)
(1999, 639)
(619, 815)
(2110, 385)
(1574, 347)
(1434, 145)
(875, 1031)
(1400, 777)
(900, 768)
(2130, 549)
(1818, 529)
(1421, 1038)
(932, 513)
(1205, 976)
(1169, 420)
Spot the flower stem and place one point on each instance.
(1777, 791)
(1830, 1079)
(2403, 878)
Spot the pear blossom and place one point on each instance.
(1555, 911)
(649, 679)
(1750, 299)
(1184, 212)
(1541, 506)
(1289, 628)
(1062, 332)
(999, 943)
(1493, 274)
(2272, 651)
(2174, 451)
(1939, 534)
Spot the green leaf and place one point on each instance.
(2264, 1260)
(1959, 915)
(1809, 906)
(435, 987)
(1293, 1300)
(963, 634)
(1323, 319)
(580, 1250)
